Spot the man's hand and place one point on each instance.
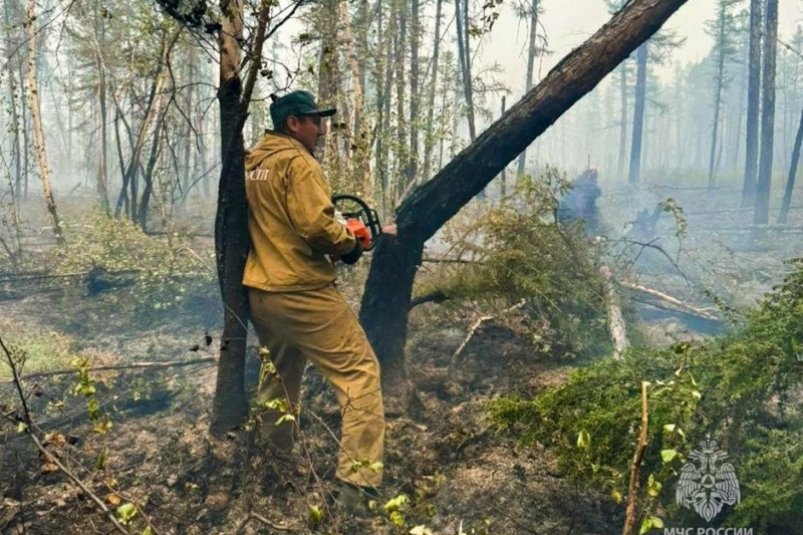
(390, 230)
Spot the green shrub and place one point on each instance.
(743, 390)
(517, 251)
(163, 271)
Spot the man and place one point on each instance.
(296, 310)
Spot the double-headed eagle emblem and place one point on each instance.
(707, 488)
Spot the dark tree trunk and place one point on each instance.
(717, 95)
(528, 83)
(623, 124)
(464, 54)
(147, 175)
(388, 290)
(790, 180)
(503, 177)
(753, 94)
(762, 209)
(232, 243)
(634, 177)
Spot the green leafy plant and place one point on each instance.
(517, 251)
(740, 389)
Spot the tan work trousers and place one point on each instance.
(318, 326)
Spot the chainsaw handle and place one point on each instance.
(366, 214)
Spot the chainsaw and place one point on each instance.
(359, 218)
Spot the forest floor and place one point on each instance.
(460, 473)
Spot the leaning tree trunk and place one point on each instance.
(634, 176)
(790, 181)
(753, 89)
(36, 117)
(762, 208)
(388, 289)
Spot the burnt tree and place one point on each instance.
(230, 405)
(753, 93)
(790, 180)
(634, 175)
(764, 182)
(388, 290)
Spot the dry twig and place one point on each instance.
(638, 457)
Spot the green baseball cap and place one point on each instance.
(298, 103)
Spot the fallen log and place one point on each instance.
(616, 321)
(667, 302)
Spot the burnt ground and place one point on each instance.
(458, 471)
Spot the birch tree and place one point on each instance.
(36, 119)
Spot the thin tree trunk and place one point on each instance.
(764, 184)
(464, 54)
(102, 182)
(634, 176)
(153, 110)
(717, 95)
(753, 94)
(411, 170)
(36, 117)
(790, 180)
(429, 141)
(361, 129)
(503, 181)
(388, 289)
(624, 120)
(528, 84)
(403, 155)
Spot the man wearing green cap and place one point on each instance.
(296, 310)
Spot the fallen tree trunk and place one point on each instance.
(668, 302)
(388, 290)
(616, 321)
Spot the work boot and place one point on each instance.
(352, 500)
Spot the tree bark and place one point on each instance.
(36, 117)
(230, 405)
(790, 180)
(389, 286)
(528, 84)
(634, 176)
(762, 207)
(753, 93)
(232, 242)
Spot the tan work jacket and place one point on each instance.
(290, 218)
